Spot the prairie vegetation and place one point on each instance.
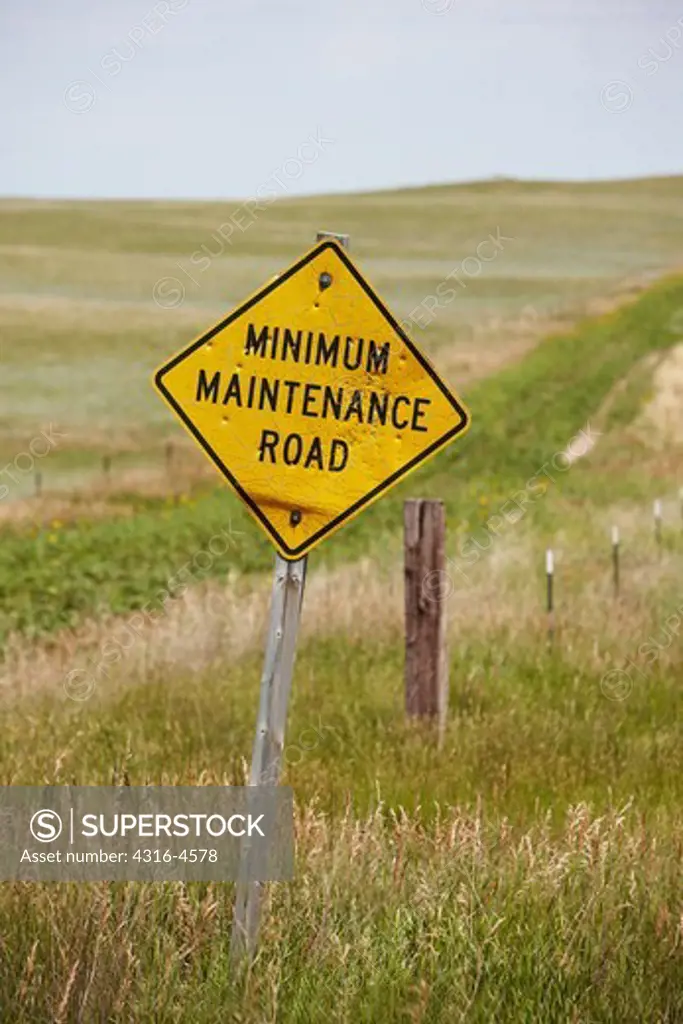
(529, 869)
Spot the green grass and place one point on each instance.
(526, 894)
(528, 869)
(61, 575)
(528, 732)
(82, 334)
(54, 577)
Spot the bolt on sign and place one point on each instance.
(311, 400)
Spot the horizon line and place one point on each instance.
(497, 179)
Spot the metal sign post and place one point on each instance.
(276, 683)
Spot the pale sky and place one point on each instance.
(210, 98)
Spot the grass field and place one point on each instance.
(527, 870)
(82, 333)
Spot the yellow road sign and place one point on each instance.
(311, 400)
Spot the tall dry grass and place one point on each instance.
(388, 920)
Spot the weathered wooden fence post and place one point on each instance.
(426, 665)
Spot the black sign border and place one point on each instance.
(293, 554)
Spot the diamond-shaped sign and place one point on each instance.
(311, 400)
